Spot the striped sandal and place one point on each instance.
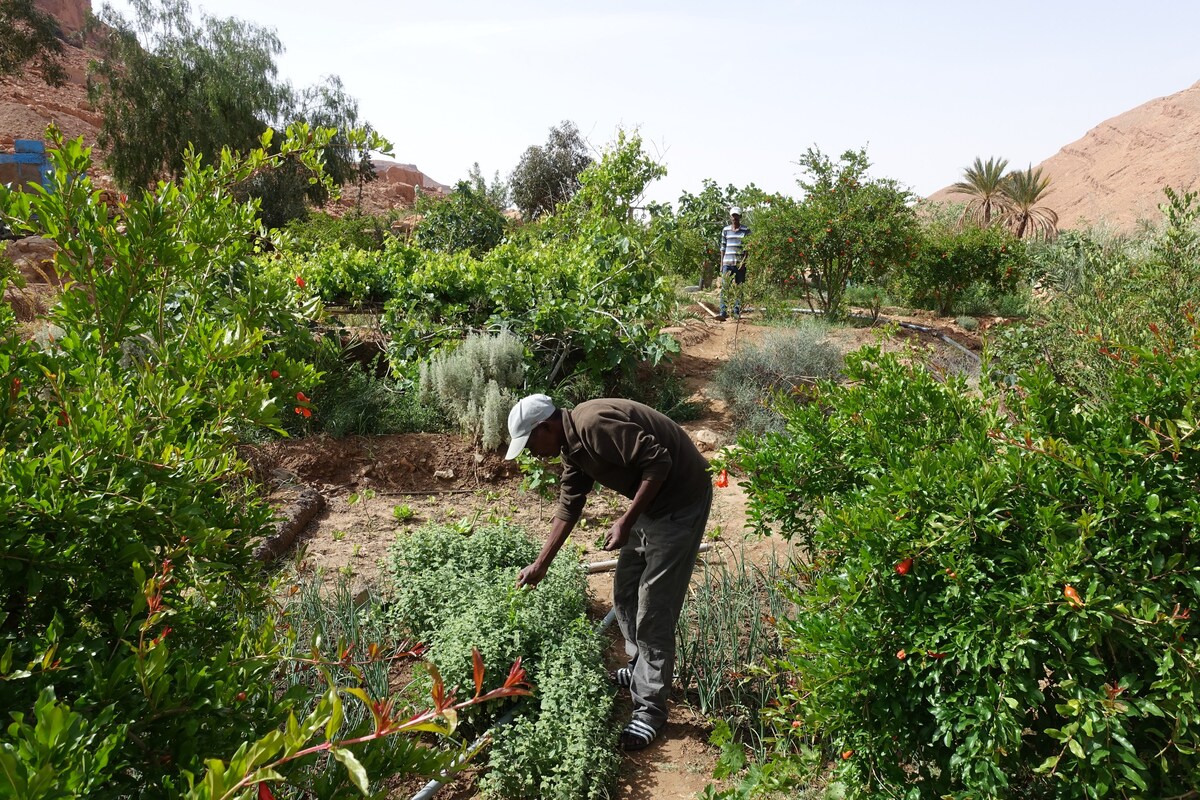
(622, 677)
(637, 735)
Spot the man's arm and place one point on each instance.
(618, 535)
(532, 575)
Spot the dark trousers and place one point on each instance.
(653, 573)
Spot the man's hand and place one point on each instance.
(618, 535)
(531, 576)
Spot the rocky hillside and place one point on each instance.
(1115, 174)
(27, 106)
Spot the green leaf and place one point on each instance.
(358, 775)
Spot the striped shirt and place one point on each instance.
(731, 246)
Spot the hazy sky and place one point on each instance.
(733, 92)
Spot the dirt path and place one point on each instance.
(379, 487)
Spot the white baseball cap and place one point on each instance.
(527, 414)
(735, 210)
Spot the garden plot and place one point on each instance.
(380, 487)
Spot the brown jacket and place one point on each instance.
(620, 443)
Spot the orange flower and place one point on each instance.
(1072, 596)
(722, 479)
(300, 282)
(304, 412)
(301, 397)
(901, 654)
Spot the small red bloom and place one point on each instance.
(904, 566)
(935, 656)
(63, 419)
(274, 374)
(304, 412)
(301, 397)
(299, 282)
(846, 754)
(16, 387)
(722, 479)
(901, 654)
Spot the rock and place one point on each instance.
(69, 14)
(705, 439)
(33, 257)
(361, 593)
(444, 474)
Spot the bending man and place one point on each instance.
(642, 454)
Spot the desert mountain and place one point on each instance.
(1116, 173)
(27, 106)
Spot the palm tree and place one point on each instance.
(1024, 189)
(984, 182)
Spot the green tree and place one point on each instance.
(165, 82)
(285, 192)
(984, 182)
(329, 105)
(547, 176)
(847, 227)
(613, 187)
(496, 192)
(1024, 191)
(950, 258)
(31, 36)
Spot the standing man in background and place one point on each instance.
(733, 263)
(644, 455)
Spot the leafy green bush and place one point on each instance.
(457, 593)
(466, 220)
(581, 305)
(1133, 292)
(786, 361)
(127, 527)
(999, 602)
(350, 400)
(562, 751)
(136, 645)
(346, 276)
(951, 260)
(355, 231)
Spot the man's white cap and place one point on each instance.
(735, 210)
(526, 415)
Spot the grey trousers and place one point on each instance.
(653, 573)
